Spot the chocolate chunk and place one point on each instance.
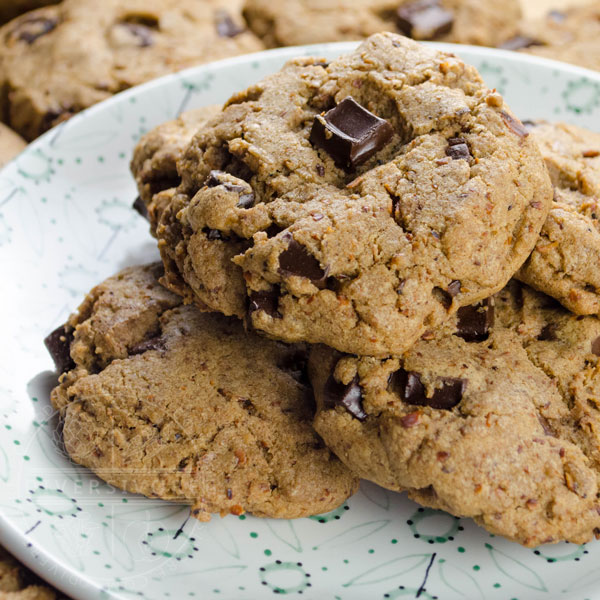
(30, 29)
(458, 149)
(548, 333)
(557, 16)
(215, 178)
(596, 346)
(350, 134)
(156, 343)
(454, 288)
(58, 344)
(141, 33)
(296, 260)
(225, 25)
(349, 396)
(265, 301)
(408, 385)
(295, 363)
(518, 42)
(514, 124)
(424, 19)
(215, 234)
(140, 207)
(546, 425)
(475, 321)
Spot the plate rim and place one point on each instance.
(59, 574)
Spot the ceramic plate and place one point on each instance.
(65, 224)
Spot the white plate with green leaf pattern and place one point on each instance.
(65, 224)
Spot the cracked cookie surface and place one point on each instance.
(359, 242)
(60, 59)
(493, 416)
(299, 22)
(564, 263)
(163, 400)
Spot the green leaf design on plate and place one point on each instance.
(286, 532)
(116, 547)
(219, 532)
(459, 581)
(377, 495)
(4, 465)
(389, 570)
(587, 581)
(354, 534)
(516, 570)
(68, 547)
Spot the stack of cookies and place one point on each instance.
(369, 270)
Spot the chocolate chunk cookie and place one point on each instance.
(18, 583)
(571, 35)
(9, 9)
(564, 263)
(493, 416)
(61, 59)
(10, 144)
(298, 22)
(357, 203)
(166, 401)
(154, 163)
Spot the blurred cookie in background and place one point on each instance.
(571, 35)
(295, 22)
(10, 144)
(18, 583)
(9, 9)
(58, 60)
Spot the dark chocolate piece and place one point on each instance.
(266, 301)
(424, 19)
(349, 396)
(518, 42)
(596, 346)
(58, 344)
(140, 207)
(350, 134)
(548, 333)
(408, 385)
(514, 124)
(215, 178)
(454, 288)
(142, 33)
(156, 343)
(215, 234)
(296, 260)
(295, 363)
(475, 321)
(225, 25)
(458, 149)
(31, 29)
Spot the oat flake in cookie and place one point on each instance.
(566, 259)
(168, 402)
(492, 416)
(61, 59)
(297, 22)
(363, 201)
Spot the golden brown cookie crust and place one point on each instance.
(503, 429)
(171, 403)
(390, 248)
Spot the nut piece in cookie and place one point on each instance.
(564, 263)
(169, 402)
(492, 416)
(361, 202)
